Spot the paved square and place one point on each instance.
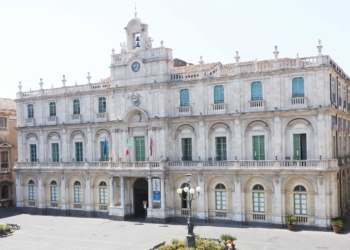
(71, 233)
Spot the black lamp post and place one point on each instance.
(189, 198)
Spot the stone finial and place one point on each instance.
(76, 84)
(297, 55)
(276, 53)
(201, 62)
(237, 57)
(161, 43)
(64, 81)
(52, 86)
(89, 77)
(41, 83)
(113, 51)
(319, 47)
(135, 13)
(20, 87)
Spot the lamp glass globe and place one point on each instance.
(192, 191)
(198, 189)
(186, 189)
(179, 190)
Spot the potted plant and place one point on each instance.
(337, 225)
(227, 240)
(290, 219)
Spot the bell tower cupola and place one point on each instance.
(136, 34)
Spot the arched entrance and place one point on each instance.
(140, 195)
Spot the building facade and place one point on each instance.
(262, 139)
(8, 152)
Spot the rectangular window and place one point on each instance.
(52, 109)
(79, 151)
(31, 193)
(104, 151)
(300, 204)
(187, 149)
(103, 196)
(299, 147)
(221, 154)
(220, 200)
(259, 147)
(140, 148)
(259, 202)
(219, 94)
(77, 194)
(32, 148)
(4, 158)
(55, 152)
(54, 196)
(184, 97)
(3, 124)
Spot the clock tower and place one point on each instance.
(139, 62)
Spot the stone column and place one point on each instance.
(277, 200)
(63, 198)
(122, 192)
(111, 191)
(19, 191)
(88, 200)
(162, 193)
(40, 195)
(150, 200)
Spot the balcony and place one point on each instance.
(299, 102)
(184, 110)
(219, 107)
(101, 117)
(76, 118)
(30, 122)
(52, 120)
(257, 105)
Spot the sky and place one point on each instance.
(49, 39)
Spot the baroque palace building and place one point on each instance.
(262, 139)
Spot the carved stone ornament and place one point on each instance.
(137, 117)
(237, 178)
(321, 177)
(135, 100)
(277, 178)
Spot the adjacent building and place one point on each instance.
(262, 139)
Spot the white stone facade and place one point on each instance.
(262, 139)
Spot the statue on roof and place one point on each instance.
(123, 48)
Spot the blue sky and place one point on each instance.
(48, 39)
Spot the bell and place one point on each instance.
(137, 39)
(137, 45)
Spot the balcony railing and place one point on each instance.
(259, 104)
(219, 107)
(299, 101)
(52, 120)
(30, 121)
(184, 110)
(186, 165)
(102, 117)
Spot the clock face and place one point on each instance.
(135, 66)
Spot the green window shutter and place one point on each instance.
(140, 148)
(219, 94)
(296, 147)
(30, 111)
(79, 151)
(184, 97)
(221, 154)
(33, 153)
(76, 107)
(187, 149)
(298, 87)
(55, 152)
(259, 147)
(102, 156)
(102, 105)
(52, 109)
(256, 91)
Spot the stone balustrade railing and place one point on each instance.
(5, 170)
(186, 165)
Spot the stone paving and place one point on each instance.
(72, 233)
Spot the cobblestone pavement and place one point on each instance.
(71, 233)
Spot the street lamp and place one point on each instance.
(189, 198)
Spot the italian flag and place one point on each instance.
(127, 146)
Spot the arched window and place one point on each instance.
(298, 87)
(5, 192)
(102, 105)
(219, 94)
(256, 91)
(53, 191)
(52, 109)
(300, 200)
(258, 199)
(103, 192)
(77, 192)
(184, 196)
(30, 111)
(184, 97)
(220, 197)
(76, 107)
(31, 190)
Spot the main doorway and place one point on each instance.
(140, 195)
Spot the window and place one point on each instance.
(31, 189)
(32, 148)
(184, 195)
(103, 192)
(300, 201)
(184, 97)
(220, 143)
(5, 192)
(298, 87)
(79, 151)
(187, 149)
(30, 111)
(258, 199)
(77, 192)
(220, 197)
(52, 109)
(299, 147)
(259, 147)
(102, 105)
(53, 191)
(55, 152)
(4, 158)
(76, 107)
(140, 148)
(104, 151)
(256, 91)
(3, 124)
(219, 94)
